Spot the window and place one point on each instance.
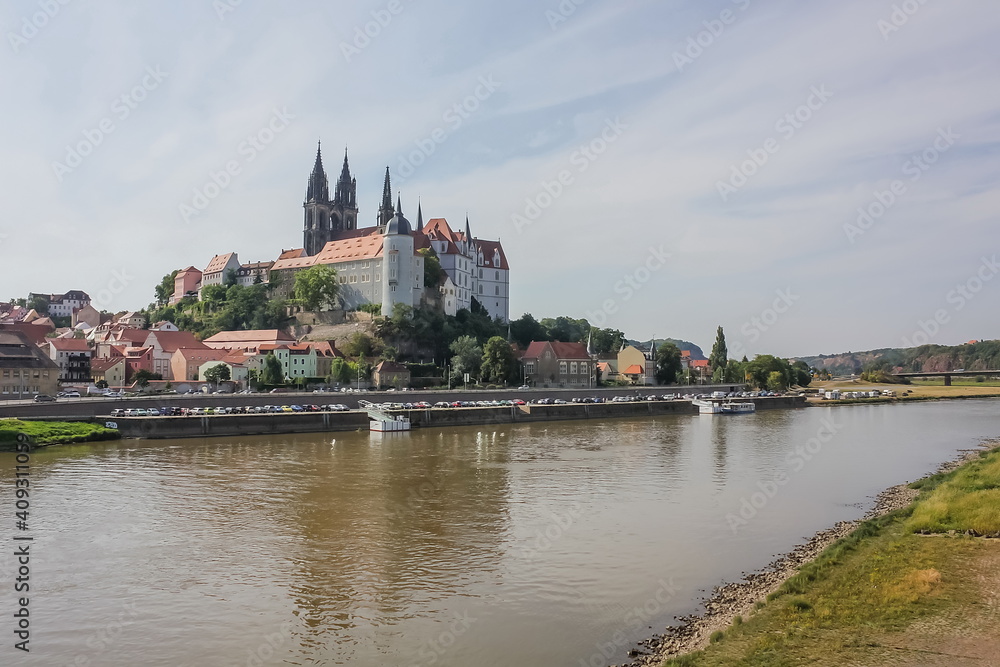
(6, 372)
(572, 368)
(562, 368)
(498, 275)
(480, 289)
(480, 273)
(378, 277)
(498, 290)
(529, 367)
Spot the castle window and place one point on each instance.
(480, 273)
(480, 289)
(498, 275)
(498, 290)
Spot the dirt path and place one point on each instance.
(965, 636)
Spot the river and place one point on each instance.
(561, 543)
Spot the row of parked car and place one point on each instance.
(228, 410)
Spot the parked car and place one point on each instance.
(117, 412)
(44, 398)
(114, 394)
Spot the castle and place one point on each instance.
(383, 263)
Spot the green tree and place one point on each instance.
(566, 329)
(360, 344)
(801, 374)
(468, 356)
(218, 373)
(272, 373)
(231, 278)
(432, 267)
(166, 288)
(526, 329)
(668, 363)
(606, 341)
(498, 362)
(341, 372)
(142, 377)
(213, 294)
(317, 287)
(777, 381)
(719, 357)
(763, 365)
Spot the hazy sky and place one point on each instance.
(659, 167)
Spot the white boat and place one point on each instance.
(382, 422)
(724, 407)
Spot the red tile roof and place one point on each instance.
(699, 363)
(488, 248)
(273, 335)
(69, 344)
(292, 254)
(559, 349)
(634, 369)
(218, 263)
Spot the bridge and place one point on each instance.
(947, 375)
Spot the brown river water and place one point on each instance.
(563, 543)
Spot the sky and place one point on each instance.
(814, 177)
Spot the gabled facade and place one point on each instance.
(218, 268)
(164, 344)
(636, 366)
(557, 364)
(187, 282)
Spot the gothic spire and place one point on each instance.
(385, 211)
(344, 193)
(399, 206)
(420, 217)
(318, 189)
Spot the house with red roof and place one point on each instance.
(249, 341)
(187, 282)
(557, 364)
(164, 344)
(218, 268)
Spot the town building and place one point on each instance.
(110, 371)
(24, 369)
(187, 282)
(218, 269)
(249, 341)
(391, 374)
(557, 364)
(185, 362)
(636, 366)
(164, 344)
(63, 305)
(72, 356)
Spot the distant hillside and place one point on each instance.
(984, 355)
(696, 352)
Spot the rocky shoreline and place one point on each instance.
(739, 599)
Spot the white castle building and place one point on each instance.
(384, 263)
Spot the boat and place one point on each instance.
(724, 407)
(381, 422)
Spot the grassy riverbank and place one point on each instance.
(914, 587)
(52, 433)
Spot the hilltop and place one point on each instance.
(979, 355)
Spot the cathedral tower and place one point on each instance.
(323, 217)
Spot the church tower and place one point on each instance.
(316, 231)
(385, 211)
(344, 215)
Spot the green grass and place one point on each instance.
(968, 499)
(52, 433)
(876, 581)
